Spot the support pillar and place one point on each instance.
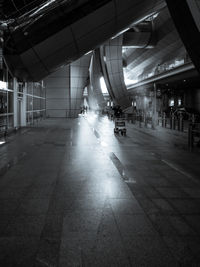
(15, 103)
(23, 111)
(154, 112)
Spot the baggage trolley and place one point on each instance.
(120, 126)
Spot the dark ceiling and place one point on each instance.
(14, 8)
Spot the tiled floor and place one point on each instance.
(74, 194)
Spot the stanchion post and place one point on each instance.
(145, 119)
(190, 137)
(181, 122)
(140, 119)
(173, 122)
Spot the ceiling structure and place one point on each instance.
(141, 63)
(41, 36)
(39, 40)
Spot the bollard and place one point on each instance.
(164, 122)
(193, 118)
(180, 123)
(5, 133)
(190, 137)
(172, 122)
(145, 120)
(140, 120)
(134, 118)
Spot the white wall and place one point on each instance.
(58, 93)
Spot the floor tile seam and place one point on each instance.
(179, 214)
(168, 142)
(184, 145)
(171, 201)
(147, 213)
(174, 208)
(142, 188)
(42, 236)
(121, 237)
(25, 198)
(189, 249)
(147, 235)
(11, 219)
(100, 221)
(176, 198)
(94, 232)
(180, 171)
(107, 153)
(162, 236)
(24, 235)
(13, 162)
(177, 169)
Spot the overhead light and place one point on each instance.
(2, 85)
(3, 26)
(152, 17)
(130, 81)
(104, 89)
(119, 33)
(88, 52)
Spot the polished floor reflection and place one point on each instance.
(72, 193)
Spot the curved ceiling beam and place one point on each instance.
(114, 72)
(95, 75)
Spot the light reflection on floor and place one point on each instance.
(92, 119)
(98, 217)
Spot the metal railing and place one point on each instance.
(140, 117)
(173, 122)
(193, 135)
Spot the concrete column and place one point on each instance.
(15, 103)
(23, 110)
(154, 111)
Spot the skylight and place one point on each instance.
(103, 86)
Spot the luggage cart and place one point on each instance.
(120, 126)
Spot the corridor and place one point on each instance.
(74, 194)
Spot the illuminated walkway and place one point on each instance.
(74, 194)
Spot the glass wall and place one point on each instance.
(35, 101)
(6, 99)
(32, 94)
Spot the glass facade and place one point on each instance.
(35, 103)
(30, 94)
(6, 98)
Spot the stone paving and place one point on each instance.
(74, 194)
